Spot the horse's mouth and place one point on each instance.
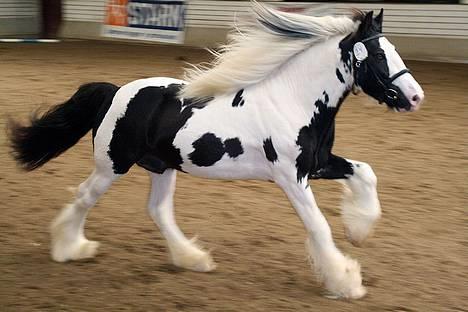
(402, 109)
(409, 109)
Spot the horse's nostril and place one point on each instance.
(416, 101)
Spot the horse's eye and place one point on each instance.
(380, 56)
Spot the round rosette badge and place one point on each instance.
(360, 51)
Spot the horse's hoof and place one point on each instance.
(356, 242)
(83, 250)
(355, 294)
(358, 293)
(352, 293)
(195, 260)
(204, 264)
(357, 230)
(341, 276)
(87, 249)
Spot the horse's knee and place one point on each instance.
(99, 186)
(85, 201)
(82, 189)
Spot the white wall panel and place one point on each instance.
(18, 8)
(84, 10)
(18, 17)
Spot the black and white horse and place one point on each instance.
(264, 109)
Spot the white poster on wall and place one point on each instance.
(152, 20)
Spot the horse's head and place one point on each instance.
(379, 70)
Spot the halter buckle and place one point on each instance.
(391, 94)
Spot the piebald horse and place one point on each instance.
(263, 109)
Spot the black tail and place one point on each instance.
(60, 128)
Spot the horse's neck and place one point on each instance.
(308, 76)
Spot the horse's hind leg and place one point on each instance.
(67, 230)
(184, 252)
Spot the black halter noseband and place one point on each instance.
(385, 82)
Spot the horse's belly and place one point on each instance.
(227, 168)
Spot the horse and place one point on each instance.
(264, 109)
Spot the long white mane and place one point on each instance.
(256, 48)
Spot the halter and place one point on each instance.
(384, 82)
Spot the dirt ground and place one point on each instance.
(416, 261)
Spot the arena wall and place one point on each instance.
(429, 31)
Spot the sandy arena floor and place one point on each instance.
(416, 261)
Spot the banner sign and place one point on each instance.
(153, 20)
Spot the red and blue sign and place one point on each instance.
(152, 20)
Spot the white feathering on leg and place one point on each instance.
(340, 274)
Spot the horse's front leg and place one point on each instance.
(360, 206)
(340, 274)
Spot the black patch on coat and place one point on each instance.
(52, 133)
(208, 150)
(233, 147)
(346, 47)
(339, 76)
(270, 151)
(315, 140)
(145, 134)
(336, 168)
(373, 78)
(238, 99)
(306, 140)
(152, 163)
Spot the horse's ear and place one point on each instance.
(367, 22)
(379, 20)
